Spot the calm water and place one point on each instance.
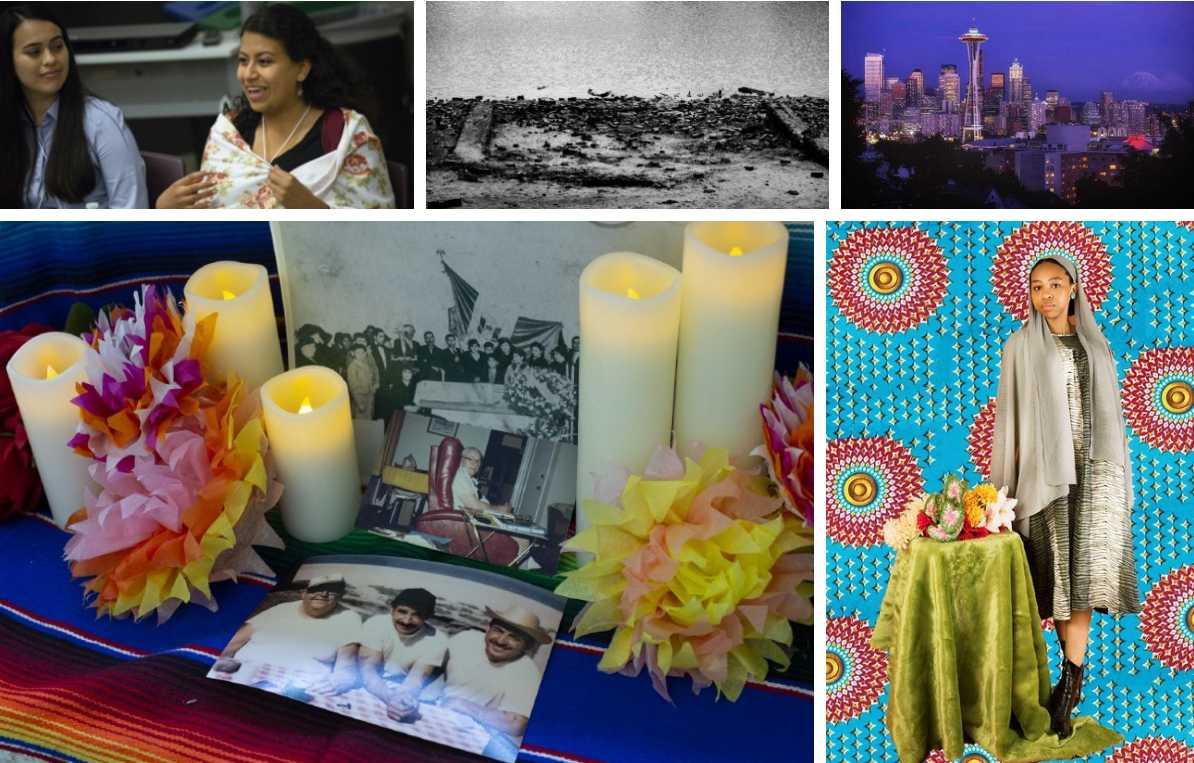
(553, 49)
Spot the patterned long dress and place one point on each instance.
(1081, 545)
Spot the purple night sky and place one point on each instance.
(1140, 50)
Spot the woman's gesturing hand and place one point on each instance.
(290, 193)
(191, 191)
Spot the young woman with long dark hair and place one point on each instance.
(295, 138)
(59, 146)
(1061, 449)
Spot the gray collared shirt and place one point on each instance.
(119, 168)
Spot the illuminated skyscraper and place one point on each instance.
(1015, 81)
(998, 88)
(873, 77)
(1135, 113)
(949, 88)
(916, 87)
(899, 93)
(972, 119)
(1105, 107)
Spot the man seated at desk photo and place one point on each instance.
(401, 652)
(465, 496)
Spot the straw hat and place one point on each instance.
(522, 620)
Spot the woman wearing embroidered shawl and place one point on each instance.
(1060, 448)
(293, 139)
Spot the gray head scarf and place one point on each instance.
(1031, 453)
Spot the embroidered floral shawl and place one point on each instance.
(354, 176)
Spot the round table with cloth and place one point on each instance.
(967, 658)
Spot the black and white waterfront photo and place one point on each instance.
(627, 104)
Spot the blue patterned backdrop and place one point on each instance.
(916, 316)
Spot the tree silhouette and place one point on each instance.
(860, 187)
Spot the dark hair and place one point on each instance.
(1071, 307)
(70, 174)
(331, 84)
(419, 599)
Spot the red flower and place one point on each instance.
(356, 165)
(922, 521)
(973, 533)
(20, 488)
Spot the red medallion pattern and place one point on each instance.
(1034, 241)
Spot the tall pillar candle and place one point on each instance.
(43, 373)
(246, 339)
(733, 282)
(629, 325)
(309, 424)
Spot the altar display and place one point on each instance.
(188, 458)
(916, 316)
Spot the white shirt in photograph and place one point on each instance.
(463, 485)
(400, 653)
(510, 686)
(283, 635)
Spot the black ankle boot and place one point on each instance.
(1064, 699)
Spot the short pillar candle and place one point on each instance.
(309, 425)
(246, 338)
(43, 373)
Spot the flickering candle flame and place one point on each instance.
(633, 294)
(306, 406)
(50, 372)
(227, 295)
(736, 251)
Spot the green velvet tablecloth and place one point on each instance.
(966, 655)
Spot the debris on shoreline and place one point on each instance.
(629, 142)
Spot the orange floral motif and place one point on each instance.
(356, 165)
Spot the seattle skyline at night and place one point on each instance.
(1137, 50)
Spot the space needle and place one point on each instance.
(972, 120)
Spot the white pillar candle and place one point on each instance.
(309, 425)
(629, 325)
(733, 282)
(246, 339)
(43, 373)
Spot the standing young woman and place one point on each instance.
(59, 147)
(1061, 450)
(294, 138)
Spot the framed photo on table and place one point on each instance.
(449, 654)
(439, 426)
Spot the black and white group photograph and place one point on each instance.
(629, 104)
(497, 497)
(449, 654)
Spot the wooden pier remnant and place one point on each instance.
(813, 146)
(474, 136)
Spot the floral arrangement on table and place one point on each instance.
(957, 512)
(547, 396)
(180, 461)
(699, 566)
(20, 486)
